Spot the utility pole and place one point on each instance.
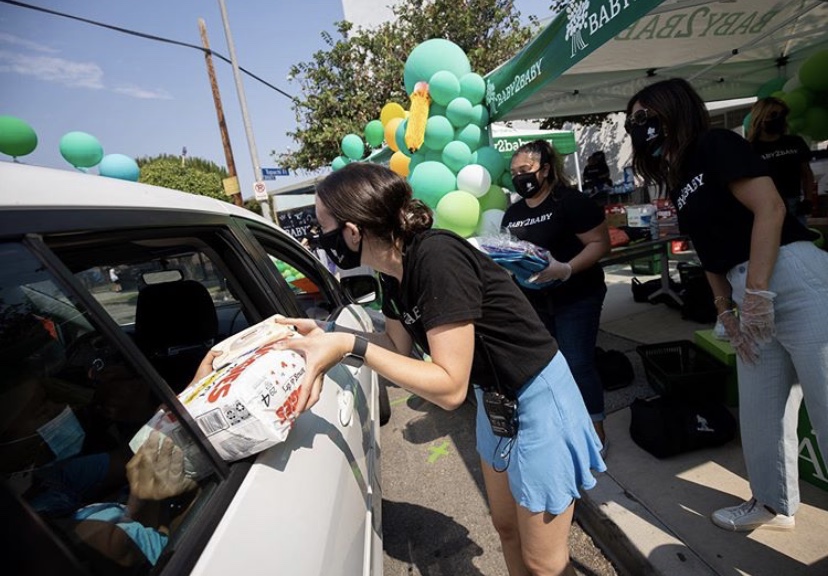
(248, 130)
(231, 183)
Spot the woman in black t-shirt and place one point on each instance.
(770, 286)
(553, 215)
(463, 310)
(787, 155)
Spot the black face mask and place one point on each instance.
(333, 243)
(648, 137)
(527, 184)
(775, 125)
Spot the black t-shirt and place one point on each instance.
(718, 224)
(785, 157)
(447, 280)
(554, 224)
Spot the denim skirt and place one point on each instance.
(556, 450)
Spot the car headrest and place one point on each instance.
(173, 316)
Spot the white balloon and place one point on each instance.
(474, 179)
(489, 223)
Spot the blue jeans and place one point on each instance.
(575, 327)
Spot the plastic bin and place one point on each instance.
(647, 266)
(683, 370)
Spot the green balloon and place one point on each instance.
(17, 138)
(472, 87)
(399, 138)
(353, 147)
(480, 115)
(459, 111)
(339, 162)
(471, 135)
(374, 133)
(746, 123)
(416, 159)
(80, 149)
(797, 102)
(494, 198)
(443, 87)
(432, 56)
(814, 71)
(430, 181)
(438, 132)
(771, 86)
(459, 212)
(436, 110)
(506, 181)
(491, 160)
(816, 123)
(433, 155)
(456, 155)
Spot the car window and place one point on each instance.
(315, 298)
(175, 296)
(71, 402)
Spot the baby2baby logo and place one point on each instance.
(580, 22)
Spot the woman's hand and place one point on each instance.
(304, 326)
(742, 343)
(321, 351)
(555, 271)
(757, 316)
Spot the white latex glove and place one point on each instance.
(741, 342)
(756, 315)
(555, 271)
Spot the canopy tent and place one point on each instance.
(595, 55)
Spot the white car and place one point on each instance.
(87, 355)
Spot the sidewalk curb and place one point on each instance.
(644, 546)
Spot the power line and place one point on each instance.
(147, 37)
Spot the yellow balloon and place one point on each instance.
(391, 132)
(399, 163)
(390, 111)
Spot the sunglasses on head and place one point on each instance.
(637, 118)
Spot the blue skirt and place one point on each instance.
(556, 449)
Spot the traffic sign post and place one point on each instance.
(272, 173)
(260, 191)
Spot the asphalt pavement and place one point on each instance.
(435, 517)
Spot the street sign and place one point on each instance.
(271, 173)
(260, 191)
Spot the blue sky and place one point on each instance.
(142, 98)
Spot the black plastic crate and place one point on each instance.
(683, 370)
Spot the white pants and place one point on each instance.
(793, 364)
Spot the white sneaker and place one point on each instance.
(750, 516)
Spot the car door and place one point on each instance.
(317, 495)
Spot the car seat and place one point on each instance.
(175, 325)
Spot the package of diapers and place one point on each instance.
(246, 405)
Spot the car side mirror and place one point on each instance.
(361, 289)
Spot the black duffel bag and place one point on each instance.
(665, 427)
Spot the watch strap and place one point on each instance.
(356, 357)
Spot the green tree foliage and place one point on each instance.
(346, 85)
(194, 175)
